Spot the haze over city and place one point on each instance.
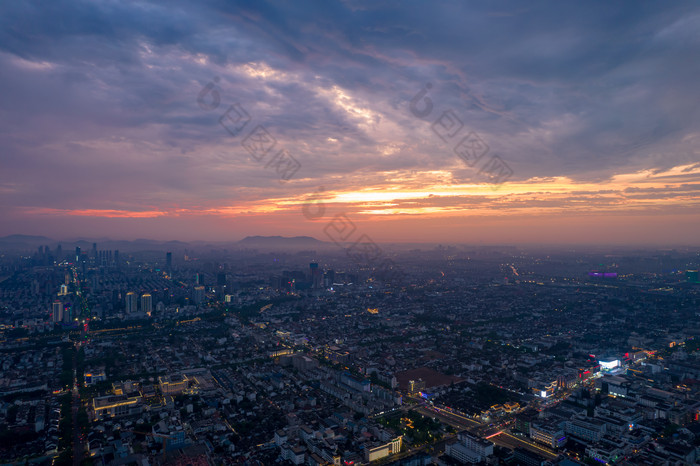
(110, 130)
(345, 232)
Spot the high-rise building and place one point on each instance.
(44, 255)
(316, 275)
(146, 304)
(329, 278)
(59, 253)
(221, 284)
(198, 295)
(169, 261)
(77, 253)
(131, 302)
(116, 258)
(57, 312)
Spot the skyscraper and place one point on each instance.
(131, 302)
(146, 304)
(169, 261)
(316, 275)
(77, 253)
(57, 312)
(329, 278)
(198, 295)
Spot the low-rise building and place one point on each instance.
(585, 429)
(469, 449)
(548, 433)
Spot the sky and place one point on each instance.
(457, 122)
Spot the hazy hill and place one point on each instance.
(280, 242)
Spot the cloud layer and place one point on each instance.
(99, 118)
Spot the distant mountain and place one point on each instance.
(176, 243)
(267, 242)
(27, 243)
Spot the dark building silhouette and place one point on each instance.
(316, 275)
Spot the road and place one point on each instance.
(77, 443)
(77, 435)
(499, 437)
(507, 440)
(455, 420)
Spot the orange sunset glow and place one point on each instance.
(431, 139)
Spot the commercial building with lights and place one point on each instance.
(115, 406)
(92, 378)
(545, 391)
(173, 384)
(612, 366)
(378, 452)
(548, 433)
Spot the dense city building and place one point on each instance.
(476, 356)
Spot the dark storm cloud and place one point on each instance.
(99, 97)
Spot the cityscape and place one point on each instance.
(258, 352)
(347, 232)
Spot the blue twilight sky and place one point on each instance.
(594, 106)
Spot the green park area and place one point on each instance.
(416, 428)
